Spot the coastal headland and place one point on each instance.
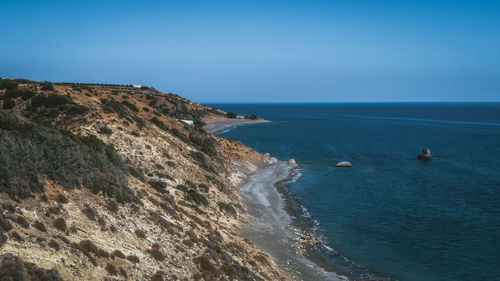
(105, 182)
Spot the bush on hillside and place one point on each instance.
(32, 152)
(251, 117)
(130, 105)
(158, 185)
(7, 84)
(47, 86)
(196, 197)
(228, 208)
(231, 115)
(8, 104)
(159, 123)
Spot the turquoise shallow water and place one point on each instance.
(399, 217)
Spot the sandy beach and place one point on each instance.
(220, 126)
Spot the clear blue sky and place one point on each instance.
(262, 51)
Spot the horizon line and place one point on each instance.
(352, 102)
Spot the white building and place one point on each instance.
(189, 122)
(137, 86)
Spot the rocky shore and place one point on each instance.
(271, 226)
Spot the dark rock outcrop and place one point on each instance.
(426, 155)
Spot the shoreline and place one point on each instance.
(277, 226)
(314, 247)
(220, 126)
(272, 227)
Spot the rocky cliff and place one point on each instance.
(102, 182)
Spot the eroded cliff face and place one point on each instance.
(102, 182)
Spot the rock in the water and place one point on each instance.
(426, 155)
(266, 156)
(344, 164)
(292, 161)
(273, 160)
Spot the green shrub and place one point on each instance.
(4, 224)
(112, 106)
(159, 123)
(85, 87)
(87, 247)
(27, 94)
(111, 269)
(182, 187)
(67, 159)
(158, 185)
(231, 115)
(190, 184)
(201, 160)
(47, 86)
(89, 212)
(62, 199)
(8, 104)
(165, 176)
(112, 206)
(75, 109)
(130, 105)
(40, 226)
(38, 100)
(198, 123)
(12, 93)
(54, 100)
(17, 236)
(7, 84)
(204, 144)
(140, 233)
(22, 222)
(251, 117)
(220, 185)
(53, 244)
(133, 259)
(139, 122)
(24, 81)
(157, 254)
(228, 208)
(158, 276)
(117, 253)
(76, 88)
(203, 187)
(198, 156)
(196, 197)
(60, 223)
(102, 253)
(135, 173)
(105, 131)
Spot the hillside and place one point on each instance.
(102, 182)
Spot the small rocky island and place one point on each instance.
(426, 155)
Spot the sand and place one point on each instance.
(220, 126)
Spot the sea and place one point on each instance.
(391, 215)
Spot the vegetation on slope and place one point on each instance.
(31, 153)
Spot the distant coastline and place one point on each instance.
(218, 126)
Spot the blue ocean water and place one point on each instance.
(398, 216)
